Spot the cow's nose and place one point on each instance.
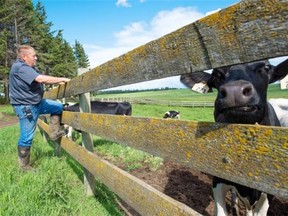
(236, 94)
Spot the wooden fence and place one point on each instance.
(248, 31)
(160, 102)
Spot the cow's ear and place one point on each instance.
(197, 81)
(279, 72)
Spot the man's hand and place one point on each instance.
(51, 79)
(64, 81)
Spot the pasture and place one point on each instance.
(48, 192)
(187, 113)
(221, 39)
(274, 91)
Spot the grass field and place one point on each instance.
(187, 113)
(56, 186)
(274, 91)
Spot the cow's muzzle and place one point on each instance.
(242, 109)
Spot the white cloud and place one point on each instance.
(133, 35)
(139, 33)
(167, 21)
(123, 3)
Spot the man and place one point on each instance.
(26, 96)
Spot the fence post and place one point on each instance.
(87, 141)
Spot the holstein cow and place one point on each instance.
(280, 106)
(102, 107)
(241, 99)
(172, 114)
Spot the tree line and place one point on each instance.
(22, 22)
(130, 91)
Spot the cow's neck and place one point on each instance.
(270, 117)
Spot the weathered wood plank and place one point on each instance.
(142, 197)
(239, 34)
(247, 154)
(247, 31)
(87, 141)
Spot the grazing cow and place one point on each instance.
(112, 108)
(241, 99)
(172, 114)
(280, 106)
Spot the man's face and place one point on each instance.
(30, 57)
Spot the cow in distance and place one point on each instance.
(174, 114)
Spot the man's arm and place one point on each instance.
(51, 79)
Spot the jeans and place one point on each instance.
(28, 121)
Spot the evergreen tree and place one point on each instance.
(14, 14)
(65, 62)
(80, 55)
(22, 23)
(6, 36)
(41, 38)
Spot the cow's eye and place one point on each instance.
(264, 69)
(267, 67)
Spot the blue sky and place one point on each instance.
(109, 28)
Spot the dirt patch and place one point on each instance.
(188, 186)
(7, 120)
(194, 189)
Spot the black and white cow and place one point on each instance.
(241, 99)
(104, 107)
(280, 106)
(101, 107)
(172, 114)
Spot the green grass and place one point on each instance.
(186, 113)
(274, 91)
(56, 186)
(172, 95)
(126, 156)
(8, 109)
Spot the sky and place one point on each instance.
(110, 28)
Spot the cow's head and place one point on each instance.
(242, 90)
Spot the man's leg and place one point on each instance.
(27, 116)
(55, 109)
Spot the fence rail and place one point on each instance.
(245, 32)
(126, 186)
